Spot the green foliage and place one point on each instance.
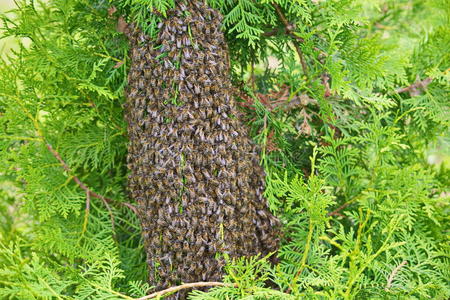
(65, 90)
(345, 106)
(146, 13)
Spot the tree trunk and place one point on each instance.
(195, 173)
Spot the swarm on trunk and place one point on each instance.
(195, 173)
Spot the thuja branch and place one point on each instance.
(89, 192)
(297, 40)
(186, 286)
(305, 255)
(40, 137)
(353, 279)
(75, 178)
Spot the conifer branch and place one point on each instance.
(305, 255)
(297, 40)
(38, 100)
(88, 191)
(106, 201)
(58, 156)
(75, 178)
(186, 286)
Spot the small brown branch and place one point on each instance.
(185, 286)
(337, 210)
(290, 31)
(326, 83)
(86, 213)
(302, 59)
(106, 201)
(252, 75)
(64, 165)
(131, 207)
(75, 178)
(111, 216)
(393, 273)
(281, 15)
(272, 32)
(416, 88)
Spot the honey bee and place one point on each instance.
(186, 246)
(186, 40)
(197, 89)
(200, 134)
(164, 34)
(179, 43)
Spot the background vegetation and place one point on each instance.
(348, 100)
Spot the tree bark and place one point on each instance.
(195, 173)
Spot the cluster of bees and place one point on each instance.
(195, 173)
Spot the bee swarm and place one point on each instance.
(195, 173)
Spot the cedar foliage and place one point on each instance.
(343, 136)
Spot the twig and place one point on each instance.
(290, 32)
(89, 192)
(185, 286)
(302, 60)
(130, 206)
(415, 88)
(337, 210)
(325, 82)
(252, 75)
(75, 178)
(272, 32)
(393, 273)
(86, 213)
(111, 216)
(286, 23)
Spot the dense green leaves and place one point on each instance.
(64, 90)
(345, 104)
